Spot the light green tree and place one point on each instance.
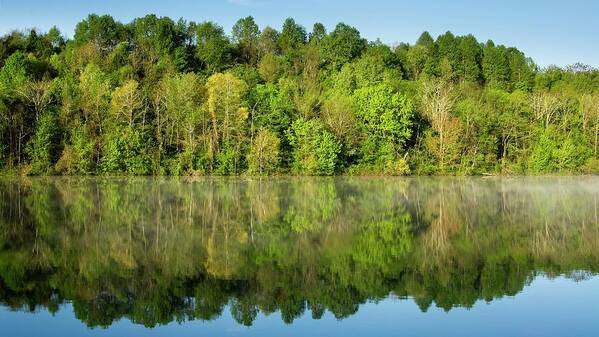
(263, 157)
(386, 119)
(315, 150)
(228, 115)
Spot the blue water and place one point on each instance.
(546, 307)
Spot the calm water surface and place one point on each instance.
(299, 257)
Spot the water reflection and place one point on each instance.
(160, 250)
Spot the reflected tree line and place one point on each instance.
(160, 250)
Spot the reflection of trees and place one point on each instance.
(159, 250)
(444, 219)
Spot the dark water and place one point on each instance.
(299, 257)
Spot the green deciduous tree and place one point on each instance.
(318, 33)
(126, 104)
(468, 67)
(270, 67)
(386, 117)
(263, 157)
(182, 123)
(228, 113)
(102, 31)
(245, 34)
(43, 148)
(342, 45)
(14, 78)
(292, 37)
(437, 104)
(213, 47)
(270, 108)
(315, 150)
(94, 93)
(268, 41)
(496, 66)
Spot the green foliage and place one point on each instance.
(78, 157)
(43, 148)
(386, 118)
(271, 108)
(228, 118)
(468, 67)
(213, 48)
(495, 64)
(127, 151)
(315, 150)
(270, 67)
(339, 117)
(13, 75)
(318, 33)
(263, 157)
(292, 37)
(102, 31)
(3, 155)
(425, 40)
(342, 45)
(94, 94)
(158, 96)
(554, 152)
(154, 34)
(375, 67)
(245, 34)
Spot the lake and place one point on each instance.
(299, 256)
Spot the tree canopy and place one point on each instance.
(156, 96)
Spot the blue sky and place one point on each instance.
(551, 32)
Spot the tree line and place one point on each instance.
(159, 97)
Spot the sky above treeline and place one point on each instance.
(551, 32)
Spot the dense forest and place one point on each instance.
(159, 97)
(160, 250)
